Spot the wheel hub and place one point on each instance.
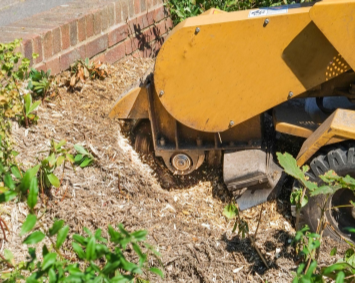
(181, 162)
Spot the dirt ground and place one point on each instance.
(183, 215)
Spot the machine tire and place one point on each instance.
(342, 161)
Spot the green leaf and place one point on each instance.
(340, 277)
(26, 180)
(29, 224)
(326, 189)
(349, 257)
(87, 231)
(78, 250)
(49, 260)
(60, 144)
(80, 239)
(51, 160)
(290, 166)
(9, 183)
(2, 170)
(86, 162)
(34, 238)
(78, 158)
(44, 250)
(230, 211)
(53, 180)
(62, 235)
(33, 194)
(7, 196)
(157, 271)
(57, 225)
(60, 160)
(70, 158)
(90, 249)
(80, 149)
(34, 106)
(52, 276)
(337, 266)
(28, 101)
(16, 172)
(141, 255)
(333, 252)
(14, 153)
(139, 235)
(8, 255)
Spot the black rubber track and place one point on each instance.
(341, 159)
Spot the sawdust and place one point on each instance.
(182, 214)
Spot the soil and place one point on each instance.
(183, 215)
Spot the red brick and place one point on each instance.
(141, 21)
(111, 14)
(27, 49)
(136, 25)
(137, 6)
(118, 34)
(143, 6)
(158, 45)
(73, 28)
(125, 10)
(72, 56)
(131, 8)
(65, 36)
(148, 52)
(37, 48)
(48, 45)
(116, 53)
(56, 41)
(161, 27)
(82, 29)
(104, 18)
(150, 17)
(148, 34)
(138, 54)
(96, 46)
(169, 23)
(41, 67)
(118, 12)
(149, 4)
(89, 25)
(53, 65)
(130, 45)
(97, 22)
(159, 14)
(99, 58)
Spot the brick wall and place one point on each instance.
(107, 30)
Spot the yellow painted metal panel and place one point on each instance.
(340, 125)
(131, 105)
(335, 18)
(237, 67)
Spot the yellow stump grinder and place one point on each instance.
(224, 84)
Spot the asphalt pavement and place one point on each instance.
(15, 10)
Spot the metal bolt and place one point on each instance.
(162, 141)
(231, 123)
(197, 30)
(266, 21)
(161, 93)
(290, 94)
